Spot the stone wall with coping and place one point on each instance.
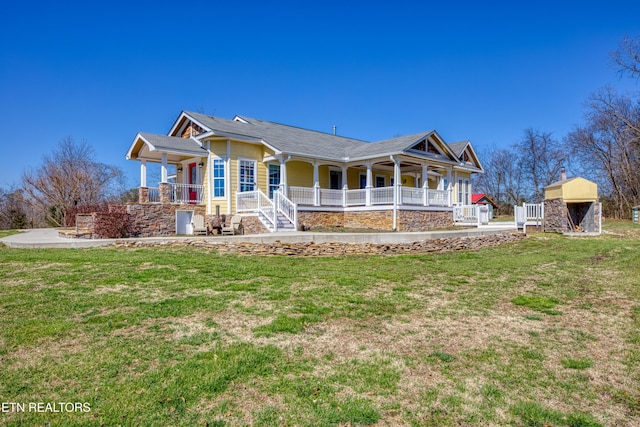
(424, 220)
(222, 246)
(407, 220)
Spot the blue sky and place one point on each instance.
(484, 71)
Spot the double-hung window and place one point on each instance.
(218, 177)
(246, 175)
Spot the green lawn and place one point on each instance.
(545, 332)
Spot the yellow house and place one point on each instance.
(294, 178)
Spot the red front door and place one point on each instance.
(193, 180)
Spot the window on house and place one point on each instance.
(335, 180)
(247, 175)
(380, 181)
(218, 178)
(274, 179)
(467, 192)
(460, 192)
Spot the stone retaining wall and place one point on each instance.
(150, 220)
(407, 220)
(336, 248)
(252, 225)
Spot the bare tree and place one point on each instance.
(608, 147)
(541, 158)
(627, 57)
(502, 179)
(12, 210)
(67, 177)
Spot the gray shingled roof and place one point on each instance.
(172, 143)
(309, 143)
(389, 146)
(285, 138)
(458, 147)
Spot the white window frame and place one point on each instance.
(271, 186)
(255, 173)
(214, 178)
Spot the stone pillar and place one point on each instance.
(143, 195)
(165, 193)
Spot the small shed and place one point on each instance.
(635, 214)
(571, 206)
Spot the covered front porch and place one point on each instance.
(182, 169)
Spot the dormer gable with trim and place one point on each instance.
(432, 145)
(428, 146)
(187, 127)
(466, 154)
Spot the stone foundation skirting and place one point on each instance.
(406, 219)
(334, 248)
(150, 220)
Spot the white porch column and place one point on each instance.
(316, 185)
(163, 168)
(283, 175)
(143, 173)
(453, 184)
(449, 186)
(397, 183)
(345, 186)
(369, 184)
(425, 184)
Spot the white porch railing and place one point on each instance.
(187, 193)
(257, 201)
(382, 195)
(529, 214)
(179, 193)
(465, 214)
(355, 197)
(302, 195)
(331, 197)
(285, 207)
(154, 195)
(309, 196)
